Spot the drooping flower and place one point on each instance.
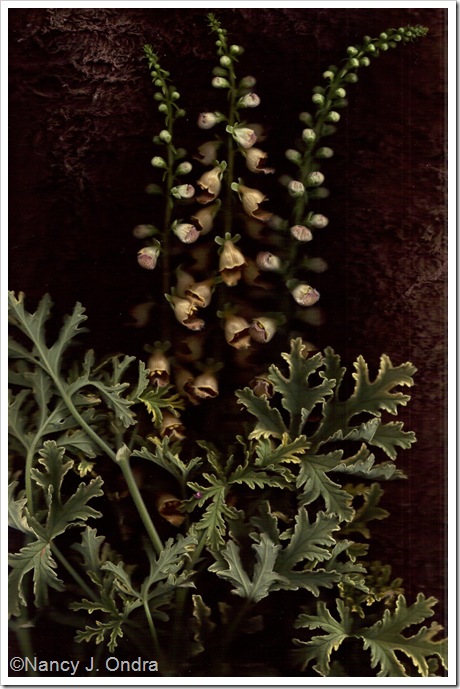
(207, 152)
(147, 257)
(251, 200)
(231, 261)
(205, 386)
(237, 331)
(263, 329)
(159, 368)
(210, 183)
(256, 160)
(200, 293)
(186, 232)
(204, 217)
(172, 427)
(243, 136)
(184, 312)
(169, 506)
(305, 295)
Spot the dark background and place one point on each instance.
(81, 124)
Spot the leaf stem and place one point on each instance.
(72, 571)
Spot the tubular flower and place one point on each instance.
(200, 293)
(305, 295)
(207, 152)
(147, 257)
(171, 427)
(251, 200)
(183, 381)
(204, 386)
(301, 233)
(263, 329)
(244, 136)
(210, 183)
(184, 312)
(237, 332)
(231, 261)
(204, 218)
(159, 368)
(168, 506)
(186, 232)
(267, 261)
(256, 160)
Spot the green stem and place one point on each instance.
(140, 504)
(153, 631)
(73, 573)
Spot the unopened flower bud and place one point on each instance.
(333, 116)
(158, 161)
(384, 46)
(163, 108)
(315, 178)
(206, 120)
(306, 118)
(143, 231)
(147, 257)
(293, 156)
(352, 51)
(249, 100)
(324, 152)
(183, 191)
(236, 49)
(247, 82)
(318, 220)
(305, 295)
(340, 93)
(353, 62)
(364, 61)
(318, 99)
(351, 78)
(268, 261)
(308, 135)
(301, 233)
(328, 74)
(296, 188)
(225, 61)
(165, 136)
(220, 83)
(184, 168)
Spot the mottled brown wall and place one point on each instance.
(81, 123)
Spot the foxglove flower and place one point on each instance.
(172, 427)
(204, 386)
(256, 159)
(231, 261)
(305, 295)
(319, 221)
(200, 293)
(243, 136)
(204, 218)
(237, 332)
(210, 183)
(184, 312)
(186, 232)
(296, 188)
(159, 368)
(147, 257)
(207, 152)
(251, 200)
(263, 329)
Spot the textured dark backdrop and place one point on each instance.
(81, 123)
